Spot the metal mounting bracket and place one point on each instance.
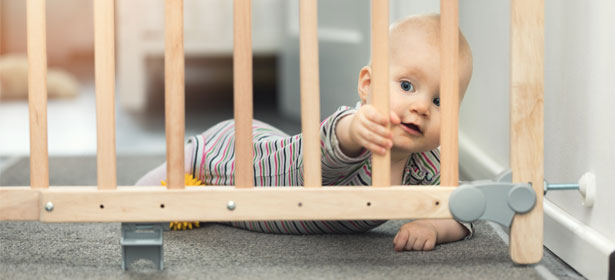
(142, 241)
(489, 200)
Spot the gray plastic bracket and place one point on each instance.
(142, 241)
(489, 200)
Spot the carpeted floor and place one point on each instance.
(34, 250)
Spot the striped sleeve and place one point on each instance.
(213, 154)
(423, 169)
(277, 163)
(277, 157)
(337, 167)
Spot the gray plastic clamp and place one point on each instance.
(489, 200)
(142, 241)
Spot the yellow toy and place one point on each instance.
(190, 181)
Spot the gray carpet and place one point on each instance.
(34, 250)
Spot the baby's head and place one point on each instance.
(415, 81)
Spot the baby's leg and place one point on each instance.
(154, 176)
(307, 227)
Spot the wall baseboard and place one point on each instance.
(587, 251)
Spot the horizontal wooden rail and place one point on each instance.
(158, 204)
(19, 204)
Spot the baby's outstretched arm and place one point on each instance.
(365, 129)
(423, 235)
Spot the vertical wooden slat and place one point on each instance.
(527, 123)
(310, 92)
(1, 27)
(449, 92)
(104, 46)
(381, 165)
(242, 92)
(175, 119)
(37, 93)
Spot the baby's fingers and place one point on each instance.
(412, 239)
(374, 142)
(375, 126)
(400, 240)
(373, 115)
(429, 244)
(419, 244)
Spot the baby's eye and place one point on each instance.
(436, 101)
(407, 86)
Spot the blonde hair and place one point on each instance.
(429, 24)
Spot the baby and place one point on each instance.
(349, 137)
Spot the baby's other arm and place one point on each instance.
(423, 235)
(365, 129)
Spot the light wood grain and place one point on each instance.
(140, 204)
(449, 92)
(310, 92)
(104, 45)
(381, 164)
(242, 84)
(1, 27)
(37, 93)
(175, 123)
(19, 204)
(527, 123)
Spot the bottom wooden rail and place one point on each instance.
(222, 203)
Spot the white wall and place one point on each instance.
(344, 45)
(579, 98)
(343, 48)
(579, 111)
(488, 93)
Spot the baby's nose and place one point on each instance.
(420, 106)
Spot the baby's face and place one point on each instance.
(415, 93)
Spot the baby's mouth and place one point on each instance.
(412, 128)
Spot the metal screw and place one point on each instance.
(230, 205)
(49, 206)
(559, 187)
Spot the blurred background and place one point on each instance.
(208, 39)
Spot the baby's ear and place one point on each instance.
(365, 81)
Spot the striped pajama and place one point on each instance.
(278, 161)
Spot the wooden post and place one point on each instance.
(37, 93)
(449, 92)
(175, 123)
(242, 92)
(527, 123)
(310, 91)
(381, 165)
(1, 28)
(104, 46)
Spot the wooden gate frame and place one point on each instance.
(107, 202)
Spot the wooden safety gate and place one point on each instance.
(108, 202)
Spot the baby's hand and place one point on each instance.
(417, 235)
(368, 129)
